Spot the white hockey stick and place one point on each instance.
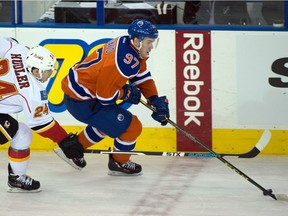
(60, 153)
(261, 144)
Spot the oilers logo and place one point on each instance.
(120, 117)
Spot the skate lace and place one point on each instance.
(129, 165)
(24, 179)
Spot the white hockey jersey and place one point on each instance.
(19, 89)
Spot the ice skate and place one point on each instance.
(123, 169)
(21, 184)
(76, 163)
(73, 147)
(80, 162)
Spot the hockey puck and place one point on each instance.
(267, 192)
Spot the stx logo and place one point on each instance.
(174, 154)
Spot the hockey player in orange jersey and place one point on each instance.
(93, 86)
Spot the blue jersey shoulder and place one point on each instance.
(127, 58)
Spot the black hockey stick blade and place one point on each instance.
(261, 144)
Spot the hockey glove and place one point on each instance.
(71, 147)
(131, 94)
(162, 110)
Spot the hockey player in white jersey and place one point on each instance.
(21, 69)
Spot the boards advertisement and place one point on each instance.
(193, 88)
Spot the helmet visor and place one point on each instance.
(150, 42)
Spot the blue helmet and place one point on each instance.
(142, 28)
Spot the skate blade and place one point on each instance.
(61, 154)
(117, 173)
(19, 190)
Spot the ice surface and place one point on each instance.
(169, 186)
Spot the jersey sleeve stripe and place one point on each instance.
(142, 77)
(141, 81)
(108, 101)
(88, 64)
(78, 89)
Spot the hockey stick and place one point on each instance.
(261, 144)
(151, 153)
(266, 192)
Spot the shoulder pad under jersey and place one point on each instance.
(127, 58)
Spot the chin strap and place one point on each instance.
(140, 52)
(38, 78)
(138, 48)
(41, 76)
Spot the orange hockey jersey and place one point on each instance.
(102, 74)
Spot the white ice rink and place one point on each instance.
(169, 186)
